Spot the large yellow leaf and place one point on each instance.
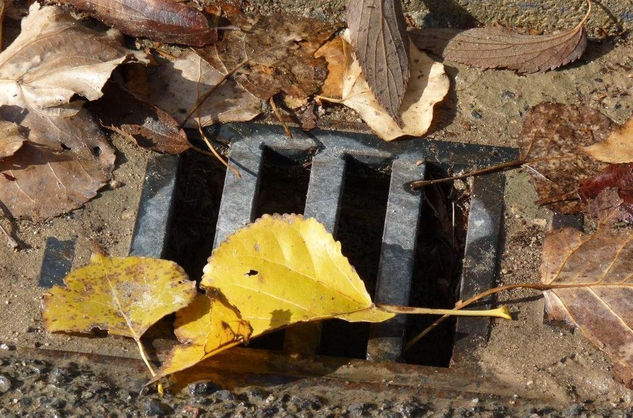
(124, 296)
(281, 270)
(206, 327)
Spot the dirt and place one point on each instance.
(533, 359)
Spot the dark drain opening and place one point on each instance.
(360, 228)
(195, 212)
(437, 270)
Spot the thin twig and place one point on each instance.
(215, 152)
(279, 118)
(10, 240)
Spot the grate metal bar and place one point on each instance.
(154, 212)
(325, 189)
(480, 258)
(238, 196)
(397, 258)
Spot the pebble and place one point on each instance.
(155, 408)
(5, 384)
(224, 395)
(202, 389)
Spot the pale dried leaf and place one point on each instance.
(601, 265)
(160, 20)
(617, 149)
(177, 87)
(553, 134)
(498, 47)
(378, 34)
(429, 85)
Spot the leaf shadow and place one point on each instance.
(447, 13)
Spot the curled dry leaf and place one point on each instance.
(159, 20)
(498, 47)
(205, 328)
(273, 54)
(148, 125)
(281, 270)
(428, 85)
(378, 34)
(11, 139)
(178, 86)
(617, 149)
(124, 296)
(599, 270)
(551, 142)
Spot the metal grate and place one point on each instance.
(329, 154)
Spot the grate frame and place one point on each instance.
(329, 151)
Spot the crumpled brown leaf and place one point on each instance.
(499, 47)
(148, 125)
(611, 190)
(378, 34)
(177, 87)
(159, 20)
(600, 266)
(67, 158)
(553, 134)
(278, 51)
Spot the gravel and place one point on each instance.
(34, 387)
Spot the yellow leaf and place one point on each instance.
(428, 85)
(281, 270)
(124, 296)
(617, 148)
(206, 327)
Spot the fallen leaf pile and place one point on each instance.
(276, 272)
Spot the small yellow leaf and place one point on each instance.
(428, 84)
(617, 148)
(124, 296)
(206, 327)
(281, 270)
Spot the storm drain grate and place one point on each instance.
(329, 156)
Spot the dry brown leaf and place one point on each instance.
(279, 51)
(11, 139)
(428, 85)
(67, 158)
(160, 20)
(618, 148)
(378, 33)
(39, 182)
(177, 86)
(337, 62)
(553, 134)
(498, 47)
(601, 267)
(148, 125)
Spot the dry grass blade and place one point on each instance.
(379, 36)
(496, 47)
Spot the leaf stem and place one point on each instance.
(141, 349)
(462, 304)
(500, 312)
